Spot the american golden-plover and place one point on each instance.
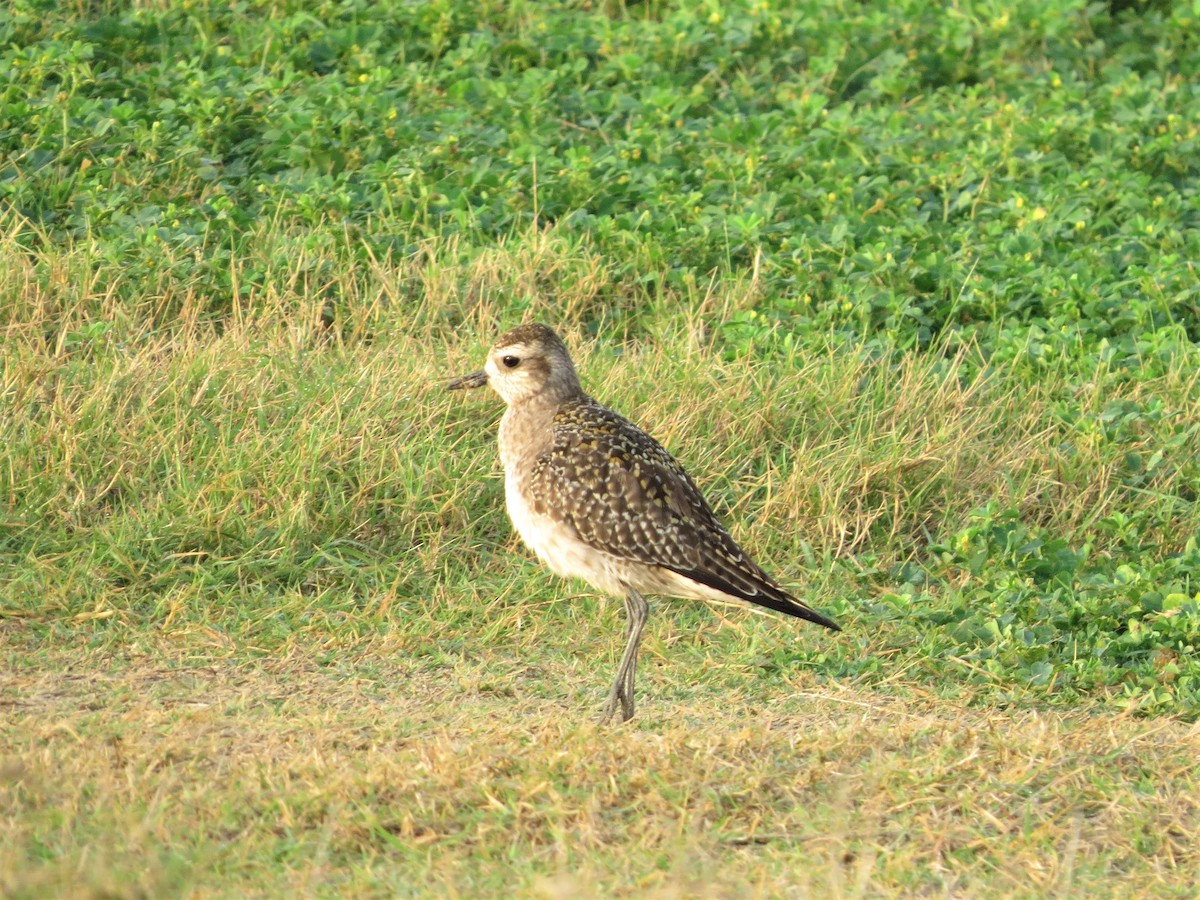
(597, 498)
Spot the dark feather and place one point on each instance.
(601, 465)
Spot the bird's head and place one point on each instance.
(529, 361)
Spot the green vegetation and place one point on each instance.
(911, 289)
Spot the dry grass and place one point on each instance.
(377, 776)
(264, 628)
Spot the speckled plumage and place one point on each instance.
(597, 498)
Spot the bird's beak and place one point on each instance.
(474, 380)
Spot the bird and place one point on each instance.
(597, 498)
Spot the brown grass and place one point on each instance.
(264, 629)
(127, 776)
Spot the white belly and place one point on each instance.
(558, 548)
(569, 557)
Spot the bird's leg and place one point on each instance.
(636, 612)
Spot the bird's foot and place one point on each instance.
(617, 697)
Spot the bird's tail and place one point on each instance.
(755, 586)
(786, 603)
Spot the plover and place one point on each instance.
(597, 498)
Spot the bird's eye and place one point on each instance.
(510, 362)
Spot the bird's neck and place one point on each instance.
(527, 431)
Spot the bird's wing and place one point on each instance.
(624, 494)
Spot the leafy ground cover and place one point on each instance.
(912, 290)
